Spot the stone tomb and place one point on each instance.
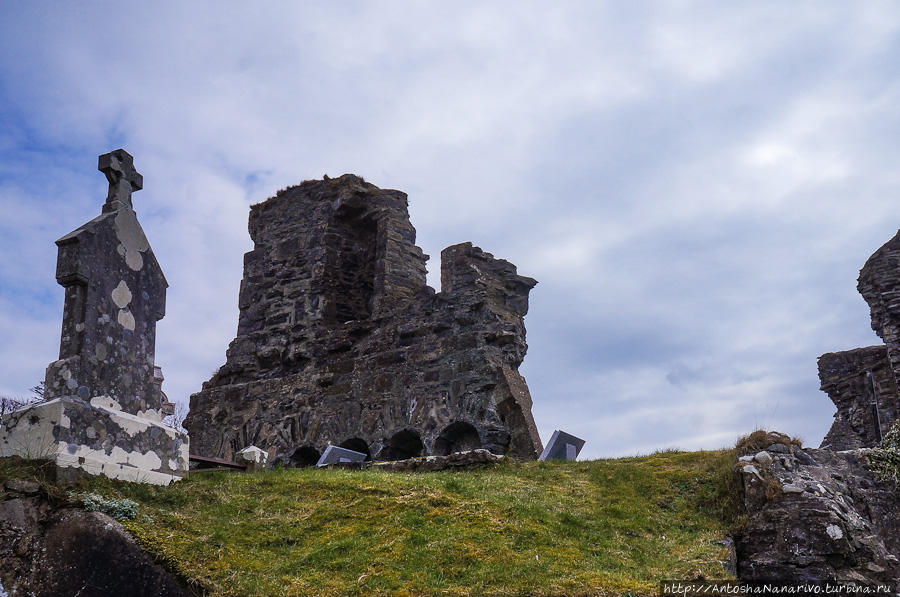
(104, 402)
(562, 446)
(336, 454)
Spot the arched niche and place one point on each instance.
(402, 445)
(457, 437)
(305, 456)
(357, 445)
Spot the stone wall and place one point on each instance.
(341, 341)
(862, 383)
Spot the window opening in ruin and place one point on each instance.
(350, 265)
(305, 456)
(457, 437)
(402, 445)
(357, 445)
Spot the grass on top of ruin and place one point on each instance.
(603, 527)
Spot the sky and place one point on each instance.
(695, 185)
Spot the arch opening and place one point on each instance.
(457, 437)
(305, 456)
(357, 445)
(402, 445)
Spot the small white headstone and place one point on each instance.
(256, 458)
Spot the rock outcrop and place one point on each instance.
(817, 515)
(341, 341)
(862, 383)
(61, 552)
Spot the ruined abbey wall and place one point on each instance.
(341, 341)
(862, 383)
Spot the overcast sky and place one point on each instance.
(695, 185)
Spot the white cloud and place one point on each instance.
(694, 185)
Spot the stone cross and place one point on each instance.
(118, 166)
(115, 294)
(104, 404)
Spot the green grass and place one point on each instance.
(585, 528)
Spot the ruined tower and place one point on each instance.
(340, 341)
(863, 383)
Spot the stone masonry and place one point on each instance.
(862, 383)
(340, 341)
(104, 399)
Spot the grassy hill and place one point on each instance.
(586, 528)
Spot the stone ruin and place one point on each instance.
(104, 404)
(862, 382)
(823, 514)
(341, 342)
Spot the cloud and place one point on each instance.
(694, 185)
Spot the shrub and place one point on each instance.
(123, 509)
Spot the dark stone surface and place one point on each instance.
(50, 552)
(823, 517)
(862, 383)
(115, 294)
(340, 340)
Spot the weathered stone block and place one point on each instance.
(98, 438)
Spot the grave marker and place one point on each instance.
(105, 404)
(562, 446)
(336, 454)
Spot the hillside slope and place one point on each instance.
(585, 528)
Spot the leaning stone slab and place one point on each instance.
(562, 446)
(336, 454)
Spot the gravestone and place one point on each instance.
(335, 454)
(105, 405)
(255, 458)
(562, 446)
